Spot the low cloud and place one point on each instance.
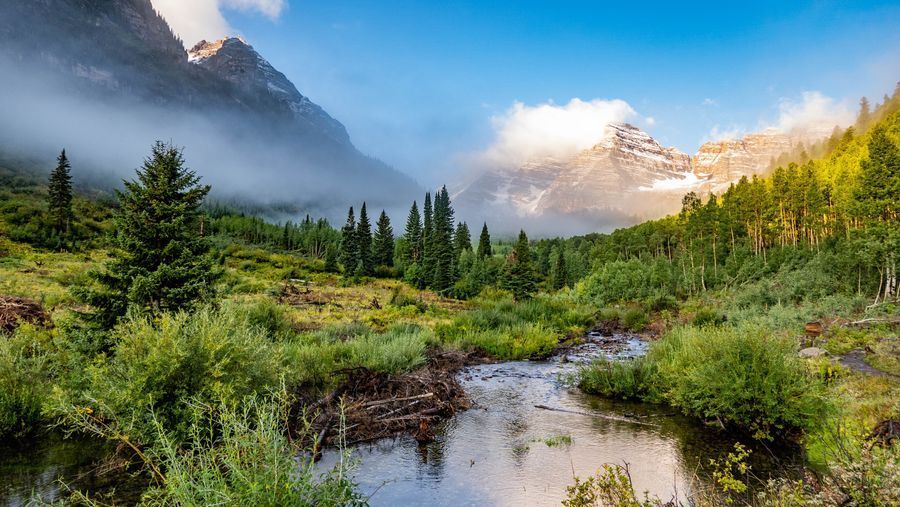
(814, 111)
(194, 20)
(525, 132)
(814, 114)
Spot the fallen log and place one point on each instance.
(376, 403)
(596, 415)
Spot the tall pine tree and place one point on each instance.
(462, 239)
(60, 195)
(426, 266)
(560, 270)
(160, 262)
(366, 265)
(442, 249)
(484, 243)
(349, 255)
(413, 235)
(383, 243)
(519, 276)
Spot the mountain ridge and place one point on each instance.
(628, 171)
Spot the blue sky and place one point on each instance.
(422, 84)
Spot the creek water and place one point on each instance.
(503, 451)
(506, 450)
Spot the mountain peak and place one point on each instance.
(203, 49)
(234, 60)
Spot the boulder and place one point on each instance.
(812, 352)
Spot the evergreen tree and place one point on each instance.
(366, 266)
(383, 244)
(519, 277)
(331, 259)
(349, 250)
(442, 248)
(426, 266)
(60, 195)
(484, 243)
(878, 192)
(462, 239)
(862, 120)
(413, 235)
(161, 261)
(560, 271)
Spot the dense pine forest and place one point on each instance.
(210, 344)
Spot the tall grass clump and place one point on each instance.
(506, 329)
(739, 376)
(24, 380)
(311, 359)
(625, 380)
(245, 458)
(159, 367)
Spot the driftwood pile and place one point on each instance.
(377, 405)
(298, 296)
(15, 310)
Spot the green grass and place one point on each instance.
(507, 330)
(243, 458)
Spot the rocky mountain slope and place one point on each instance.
(627, 173)
(238, 117)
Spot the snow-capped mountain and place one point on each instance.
(627, 173)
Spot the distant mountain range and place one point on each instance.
(626, 176)
(238, 117)
(106, 78)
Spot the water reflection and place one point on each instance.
(495, 453)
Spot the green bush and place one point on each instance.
(635, 319)
(625, 281)
(24, 380)
(160, 368)
(740, 376)
(267, 315)
(708, 317)
(244, 458)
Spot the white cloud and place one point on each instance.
(814, 111)
(813, 115)
(194, 20)
(524, 132)
(710, 102)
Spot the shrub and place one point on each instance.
(740, 376)
(24, 380)
(268, 316)
(159, 368)
(635, 319)
(245, 458)
(623, 281)
(708, 317)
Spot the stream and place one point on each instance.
(507, 451)
(503, 451)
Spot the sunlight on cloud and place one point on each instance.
(814, 111)
(524, 132)
(203, 19)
